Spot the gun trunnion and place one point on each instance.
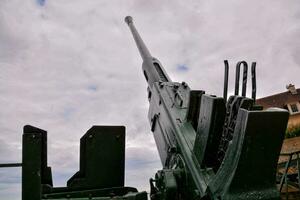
(210, 148)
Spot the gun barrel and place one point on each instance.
(138, 40)
(153, 71)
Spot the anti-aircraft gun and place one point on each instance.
(210, 148)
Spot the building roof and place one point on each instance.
(279, 100)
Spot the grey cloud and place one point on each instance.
(51, 55)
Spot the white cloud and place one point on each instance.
(52, 55)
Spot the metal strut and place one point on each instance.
(253, 75)
(237, 78)
(225, 80)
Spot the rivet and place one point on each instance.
(161, 85)
(184, 84)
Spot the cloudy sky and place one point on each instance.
(67, 65)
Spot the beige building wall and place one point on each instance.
(294, 121)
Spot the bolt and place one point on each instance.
(161, 84)
(172, 150)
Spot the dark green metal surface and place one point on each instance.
(101, 144)
(105, 193)
(209, 149)
(35, 172)
(211, 119)
(249, 167)
(5, 165)
(101, 172)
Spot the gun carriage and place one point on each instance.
(210, 148)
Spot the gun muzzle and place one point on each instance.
(128, 19)
(139, 42)
(153, 71)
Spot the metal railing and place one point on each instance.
(288, 178)
(6, 165)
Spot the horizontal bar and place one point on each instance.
(3, 165)
(288, 154)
